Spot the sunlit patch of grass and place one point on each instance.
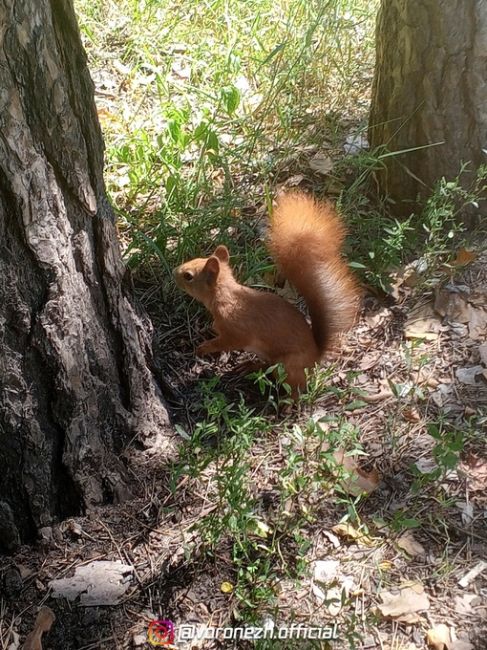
(204, 103)
(207, 106)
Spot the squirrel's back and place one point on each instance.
(305, 239)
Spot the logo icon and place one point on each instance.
(161, 632)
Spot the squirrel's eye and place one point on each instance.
(188, 276)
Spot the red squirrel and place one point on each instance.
(305, 239)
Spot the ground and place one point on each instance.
(414, 528)
(262, 519)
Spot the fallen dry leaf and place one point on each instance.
(355, 142)
(411, 277)
(329, 586)
(371, 359)
(273, 279)
(475, 470)
(400, 284)
(358, 481)
(443, 395)
(483, 353)
(407, 543)
(43, 623)
(468, 376)
(452, 304)
(464, 257)
(378, 318)
(180, 69)
(14, 641)
(467, 512)
(293, 181)
(325, 570)
(348, 531)
(375, 398)
(321, 163)
(426, 465)
(385, 565)
(334, 595)
(332, 538)
(439, 637)
(422, 323)
(287, 292)
(477, 323)
(411, 414)
(464, 604)
(404, 604)
(319, 593)
(478, 298)
(139, 640)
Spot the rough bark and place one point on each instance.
(75, 351)
(429, 88)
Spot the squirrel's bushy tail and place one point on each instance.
(305, 240)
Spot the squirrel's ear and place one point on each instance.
(212, 269)
(222, 253)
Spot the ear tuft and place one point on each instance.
(212, 269)
(222, 253)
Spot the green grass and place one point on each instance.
(208, 107)
(210, 104)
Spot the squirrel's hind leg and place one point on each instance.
(296, 378)
(218, 344)
(250, 366)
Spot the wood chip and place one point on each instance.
(101, 582)
(472, 574)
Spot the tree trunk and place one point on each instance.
(75, 350)
(429, 88)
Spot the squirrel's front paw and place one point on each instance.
(204, 349)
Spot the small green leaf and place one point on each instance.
(231, 98)
(356, 265)
(410, 523)
(355, 404)
(174, 129)
(200, 130)
(212, 144)
(273, 53)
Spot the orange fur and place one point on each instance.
(305, 240)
